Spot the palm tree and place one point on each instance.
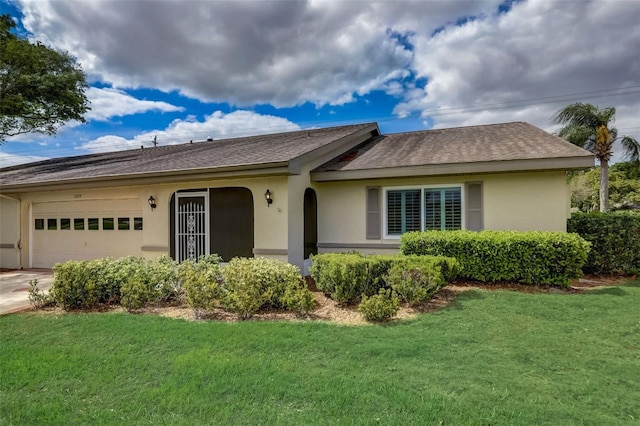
(589, 127)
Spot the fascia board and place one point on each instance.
(571, 163)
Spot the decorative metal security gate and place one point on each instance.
(192, 225)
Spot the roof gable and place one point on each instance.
(440, 150)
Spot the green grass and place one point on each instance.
(490, 358)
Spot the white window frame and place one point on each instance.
(386, 235)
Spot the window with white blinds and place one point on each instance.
(443, 209)
(403, 211)
(423, 209)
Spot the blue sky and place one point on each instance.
(183, 71)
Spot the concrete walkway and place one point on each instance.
(14, 287)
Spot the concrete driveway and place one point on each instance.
(14, 287)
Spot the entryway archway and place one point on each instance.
(310, 223)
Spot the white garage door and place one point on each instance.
(83, 230)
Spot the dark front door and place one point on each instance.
(231, 222)
(310, 223)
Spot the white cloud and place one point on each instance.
(513, 66)
(280, 52)
(539, 49)
(107, 103)
(496, 67)
(217, 125)
(7, 160)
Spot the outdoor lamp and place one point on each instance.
(267, 196)
(152, 202)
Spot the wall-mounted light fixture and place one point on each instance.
(267, 196)
(152, 202)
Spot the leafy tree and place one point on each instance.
(624, 187)
(40, 88)
(591, 128)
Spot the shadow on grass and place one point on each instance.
(461, 298)
(611, 291)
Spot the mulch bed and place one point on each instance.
(329, 310)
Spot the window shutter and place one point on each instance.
(474, 206)
(374, 218)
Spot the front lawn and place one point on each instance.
(491, 357)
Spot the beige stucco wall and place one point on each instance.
(270, 223)
(516, 201)
(527, 202)
(520, 201)
(9, 233)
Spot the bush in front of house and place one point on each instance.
(130, 281)
(253, 283)
(37, 297)
(533, 257)
(202, 283)
(348, 277)
(614, 238)
(379, 307)
(151, 282)
(413, 280)
(343, 276)
(85, 284)
(72, 287)
(243, 286)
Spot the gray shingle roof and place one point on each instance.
(473, 144)
(439, 148)
(238, 152)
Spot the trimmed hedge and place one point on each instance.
(253, 283)
(489, 256)
(202, 283)
(243, 286)
(85, 284)
(614, 238)
(153, 282)
(348, 277)
(130, 281)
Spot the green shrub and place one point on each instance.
(163, 275)
(325, 272)
(343, 276)
(415, 281)
(73, 286)
(246, 285)
(209, 259)
(614, 238)
(489, 256)
(37, 297)
(132, 281)
(298, 299)
(136, 292)
(348, 277)
(254, 283)
(202, 284)
(150, 282)
(111, 274)
(380, 307)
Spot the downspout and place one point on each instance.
(19, 242)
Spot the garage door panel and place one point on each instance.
(51, 246)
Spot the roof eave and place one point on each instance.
(565, 163)
(254, 170)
